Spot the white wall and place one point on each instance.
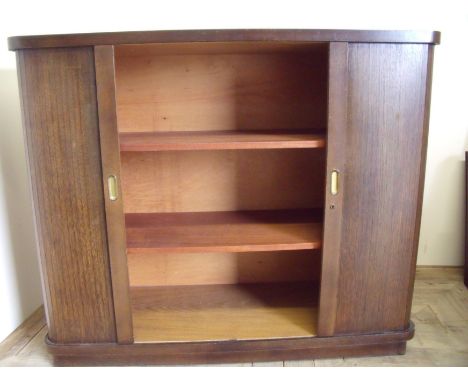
(20, 291)
(442, 221)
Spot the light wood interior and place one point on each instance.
(227, 91)
(223, 169)
(224, 312)
(207, 268)
(222, 180)
(240, 231)
(220, 140)
(439, 311)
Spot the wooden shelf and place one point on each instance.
(241, 231)
(224, 312)
(220, 140)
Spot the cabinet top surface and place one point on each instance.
(226, 35)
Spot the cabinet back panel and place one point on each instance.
(223, 268)
(195, 92)
(194, 181)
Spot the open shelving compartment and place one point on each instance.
(223, 170)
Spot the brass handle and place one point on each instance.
(112, 186)
(334, 183)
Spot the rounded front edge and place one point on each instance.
(223, 35)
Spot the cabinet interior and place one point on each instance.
(223, 178)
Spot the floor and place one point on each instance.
(440, 313)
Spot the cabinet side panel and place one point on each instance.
(61, 130)
(385, 150)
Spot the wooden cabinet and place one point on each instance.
(205, 196)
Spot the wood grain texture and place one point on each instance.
(198, 92)
(235, 351)
(321, 35)
(208, 268)
(20, 338)
(439, 312)
(384, 151)
(224, 312)
(377, 140)
(225, 180)
(26, 345)
(152, 357)
(109, 140)
(65, 167)
(336, 161)
(220, 140)
(237, 231)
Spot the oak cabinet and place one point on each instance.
(205, 196)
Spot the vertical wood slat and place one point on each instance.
(110, 152)
(336, 154)
(384, 159)
(61, 133)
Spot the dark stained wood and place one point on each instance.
(219, 140)
(336, 160)
(238, 231)
(183, 90)
(236, 351)
(105, 86)
(224, 312)
(422, 173)
(375, 350)
(384, 151)
(65, 167)
(145, 37)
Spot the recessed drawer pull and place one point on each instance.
(112, 186)
(334, 182)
